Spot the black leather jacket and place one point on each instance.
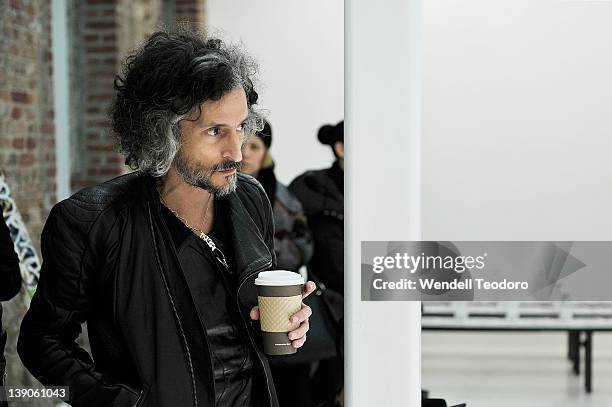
(107, 261)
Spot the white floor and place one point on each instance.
(512, 369)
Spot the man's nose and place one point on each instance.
(233, 147)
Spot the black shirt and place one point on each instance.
(212, 287)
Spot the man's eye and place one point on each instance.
(213, 131)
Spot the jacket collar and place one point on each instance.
(249, 248)
(246, 241)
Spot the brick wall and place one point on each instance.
(27, 148)
(105, 31)
(96, 56)
(27, 154)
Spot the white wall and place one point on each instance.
(299, 45)
(517, 120)
(383, 192)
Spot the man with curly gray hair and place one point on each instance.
(161, 262)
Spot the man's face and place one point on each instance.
(210, 152)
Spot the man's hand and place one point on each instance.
(297, 336)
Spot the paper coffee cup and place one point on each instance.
(279, 297)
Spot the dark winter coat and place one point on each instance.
(322, 196)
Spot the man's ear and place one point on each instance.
(339, 149)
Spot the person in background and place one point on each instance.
(292, 245)
(292, 238)
(10, 283)
(322, 195)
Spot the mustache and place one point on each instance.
(227, 165)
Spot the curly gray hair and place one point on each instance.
(162, 81)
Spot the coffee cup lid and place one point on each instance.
(279, 278)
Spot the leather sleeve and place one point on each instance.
(60, 305)
(10, 276)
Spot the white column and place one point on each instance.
(383, 193)
(61, 91)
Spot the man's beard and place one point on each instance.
(201, 177)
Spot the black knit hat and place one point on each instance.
(329, 134)
(266, 134)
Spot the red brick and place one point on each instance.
(99, 98)
(26, 159)
(103, 171)
(115, 159)
(97, 123)
(97, 62)
(15, 4)
(101, 148)
(102, 73)
(101, 25)
(102, 49)
(31, 143)
(18, 143)
(16, 113)
(109, 171)
(47, 127)
(21, 97)
(79, 183)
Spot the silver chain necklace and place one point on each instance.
(199, 232)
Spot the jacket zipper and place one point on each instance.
(139, 398)
(243, 280)
(193, 385)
